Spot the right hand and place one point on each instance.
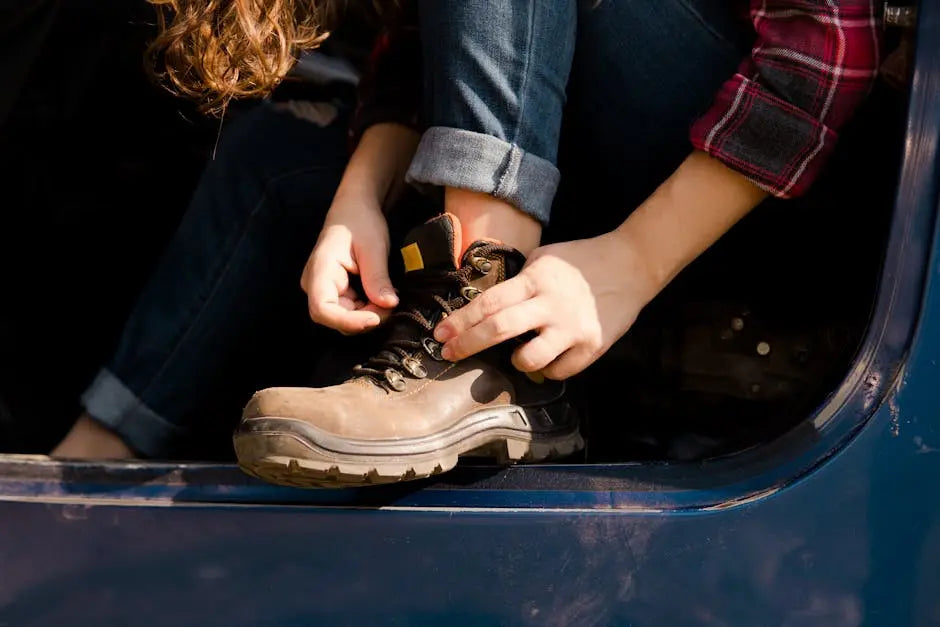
(354, 240)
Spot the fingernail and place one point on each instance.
(447, 353)
(389, 294)
(442, 333)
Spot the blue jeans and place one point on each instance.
(629, 77)
(223, 313)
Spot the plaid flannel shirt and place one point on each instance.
(777, 119)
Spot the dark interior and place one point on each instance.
(98, 165)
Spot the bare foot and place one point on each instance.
(87, 439)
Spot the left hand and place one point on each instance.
(580, 297)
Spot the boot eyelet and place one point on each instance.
(482, 264)
(414, 367)
(395, 379)
(432, 348)
(469, 293)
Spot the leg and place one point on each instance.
(495, 76)
(496, 82)
(223, 313)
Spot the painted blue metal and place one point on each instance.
(837, 525)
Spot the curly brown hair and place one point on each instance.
(214, 50)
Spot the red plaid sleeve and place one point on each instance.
(777, 119)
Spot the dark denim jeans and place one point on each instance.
(223, 314)
(635, 76)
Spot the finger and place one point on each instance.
(332, 251)
(491, 302)
(351, 300)
(382, 312)
(337, 317)
(499, 327)
(373, 269)
(352, 294)
(326, 282)
(305, 276)
(540, 351)
(351, 303)
(570, 363)
(330, 297)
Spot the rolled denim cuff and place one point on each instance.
(482, 163)
(115, 406)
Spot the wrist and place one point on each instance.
(363, 184)
(360, 197)
(645, 276)
(378, 165)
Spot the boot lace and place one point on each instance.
(425, 300)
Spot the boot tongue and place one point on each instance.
(435, 245)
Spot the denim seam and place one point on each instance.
(510, 170)
(523, 87)
(216, 279)
(511, 167)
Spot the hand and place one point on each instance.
(354, 240)
(579, 296)
(355, 237)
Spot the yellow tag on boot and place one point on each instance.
(411, 254)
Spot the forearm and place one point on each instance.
(376, 170)
(691, 210)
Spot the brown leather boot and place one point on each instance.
(407, 413)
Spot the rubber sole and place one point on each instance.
(288, 458)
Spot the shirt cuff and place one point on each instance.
(776, 145)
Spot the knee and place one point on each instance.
(273, 139)
(287, 155)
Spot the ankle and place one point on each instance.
(484, 217)
(88, 439)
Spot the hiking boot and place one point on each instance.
(406, 413)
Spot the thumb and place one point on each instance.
(373, 270)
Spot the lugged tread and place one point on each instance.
(315, 470)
